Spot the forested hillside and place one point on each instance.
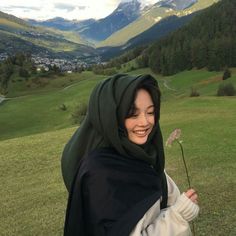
(209, 40)
(158, 31)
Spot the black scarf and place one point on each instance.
(103, 130)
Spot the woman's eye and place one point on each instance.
(134, 115)
(151, 113)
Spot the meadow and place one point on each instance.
(34, 131)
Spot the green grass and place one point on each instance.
(205, 82)
(11, 24)
(208, 125)
(34, 131)
(53, 83)
(31, 114)
(38, 109)
(33, 197)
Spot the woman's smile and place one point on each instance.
(142, 133)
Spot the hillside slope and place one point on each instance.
(124, 14)
(33, 190)
(18, 35)
(149, 18)
(157, 31)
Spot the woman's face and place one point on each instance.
(140, 124)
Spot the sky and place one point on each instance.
(76, 9)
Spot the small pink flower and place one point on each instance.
(175, 135)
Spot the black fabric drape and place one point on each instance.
(111, 194)
(108, 107)
(103, 127)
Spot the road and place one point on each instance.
(2, 99)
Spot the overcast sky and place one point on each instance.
(76, 9)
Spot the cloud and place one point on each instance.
(22, 8)
(76, 9)
(82, 8)
(64, 6)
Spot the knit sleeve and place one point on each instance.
(170, 221)
(173, 191)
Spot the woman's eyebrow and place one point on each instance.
(151, 106)
(137, 109)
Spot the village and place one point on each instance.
(65, 65)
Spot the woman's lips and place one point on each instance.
(141, 133)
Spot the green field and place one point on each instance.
(34, 131)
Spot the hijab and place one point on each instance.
(103, 125)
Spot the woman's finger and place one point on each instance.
(190, 192)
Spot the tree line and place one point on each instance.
(20, 61)
(114, 65)
(209, 40)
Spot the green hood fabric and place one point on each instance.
(103, 126)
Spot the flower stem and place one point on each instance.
(189, 185)
(185, 166)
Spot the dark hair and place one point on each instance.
(155, 94)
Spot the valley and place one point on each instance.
(60, 38)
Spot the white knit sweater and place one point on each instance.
(172, 221)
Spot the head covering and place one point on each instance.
(103, 125)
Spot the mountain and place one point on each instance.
(4, 17)
(131, 24)
(96, 30)
(62, 24)
(157, 31)
(152, 15)
(128, 20)
(176, 4)
(123, 15)
(18, 35)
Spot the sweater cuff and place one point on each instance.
(186, 208)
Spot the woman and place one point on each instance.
(116, 162)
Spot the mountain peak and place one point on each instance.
(128, 7)
(124, 14)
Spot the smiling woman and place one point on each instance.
(140, 120)
(113, 167)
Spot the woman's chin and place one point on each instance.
(139, 140)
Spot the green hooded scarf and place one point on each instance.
(103, 125)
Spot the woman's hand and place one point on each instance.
(192, 195)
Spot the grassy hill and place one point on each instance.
(150, 18)
(18, 35)
(7, 19)
(34, 132)
(12, 23)
(38, 110)
(205, 82)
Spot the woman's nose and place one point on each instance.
(142, 120)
